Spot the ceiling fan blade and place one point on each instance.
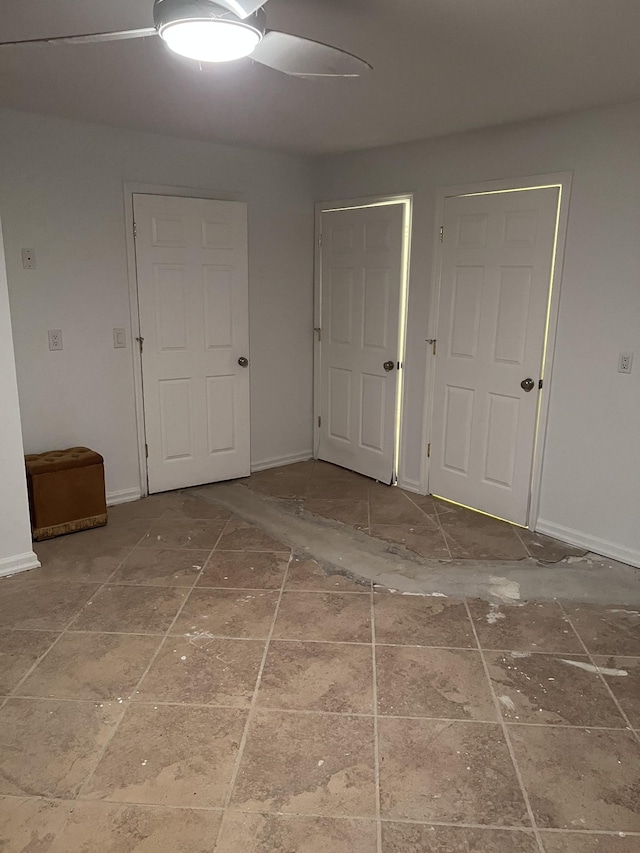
(302, 57)
(89, 38)
(241, 8)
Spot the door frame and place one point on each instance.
(131, 189)
(562, 181)
(354, 204)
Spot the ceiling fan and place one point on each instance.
(222, 30)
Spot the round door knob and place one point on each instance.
(388, 365)
(243, 362)
(527, 384)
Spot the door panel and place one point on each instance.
(494, 294)
(360, 314)
(191, 259)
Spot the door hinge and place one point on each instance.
(135, 230)
(319, 331)
(319, 420)
(319, 241)
(442, 233)
(140, 343)
(146, 451)
(429, 450)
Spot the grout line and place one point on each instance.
(252, 707)
(64, 629)
(376, 743)
(142, 677)
(337, 817)
(507, 737)
(619, 707)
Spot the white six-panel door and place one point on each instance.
(361, 277)
(494, 293)
(191, 260)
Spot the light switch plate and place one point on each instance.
(28, 259)
(119, 338)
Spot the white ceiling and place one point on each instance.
(439, 66)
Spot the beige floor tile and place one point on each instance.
(91, 666)
(496, 541)
(110, 828)
(257, 833)
(48, 748)
(240, 536)
(422, 621)
(31, 602)
(454, 772)
(308, 574)
(328, 471)
(425, 502)
(626, 688)
(421, 838)
(607, 630)
(280, 487)
(319, 764)
(228, 613)
(342, 489)
(572, 842)
(151, 507)
(82, 568)
(547, 550)
(339, 617)
(423, 539)
(245, 570)
(548, 689)
(184, 533)
(580, 778)
(352, 512)
(391, 506)
(417, 682)
(203, 671)
(161, 567)
(19, 650)
(188, 505)
(31, 825)
(73, 826)
(318, 677)
(191, 767)
(131, 609)
(117, 533)
(530, 627)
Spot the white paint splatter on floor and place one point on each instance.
(589, 667)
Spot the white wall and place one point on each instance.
(591, 477)
(16, 553)
(61, 193)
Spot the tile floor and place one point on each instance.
(179, 682)
(430, 527)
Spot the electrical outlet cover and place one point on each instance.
(55, 339)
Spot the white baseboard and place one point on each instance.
(589, 543)
(124, 496)
(18, 563)
(275, 462)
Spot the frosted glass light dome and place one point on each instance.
(210, 40)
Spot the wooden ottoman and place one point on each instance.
(66, 491)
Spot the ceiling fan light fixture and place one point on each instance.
(210, 40)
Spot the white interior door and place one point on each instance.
(361, 277)
(494, 295)
(191, 259)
